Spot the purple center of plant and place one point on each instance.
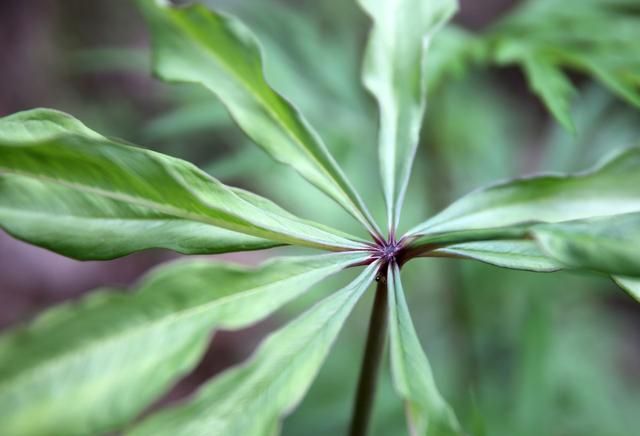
(388, 250)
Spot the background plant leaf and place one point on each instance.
(553, 87)
(546, 38)
(115, 353)
(395, 74)
(427, 412)
(250, 399)
(193, 44)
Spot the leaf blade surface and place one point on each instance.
(427, 411)
(140, 183)
(195, 45)
(114, 353)
(395, 73)
(251, 398)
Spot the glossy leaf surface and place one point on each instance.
(427, 412)
(114, 353)
(113, 180)
(86, 227)
(395, 73)
(612, 188)
(515, 254)
(250, 399)
(193, 44)
(608, 245)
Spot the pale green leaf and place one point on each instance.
(42, 124)
(608, 245)
(631, 285)
(395, 73)
(610, 189)
(82, 226)
(428, 413)
(251, 399)
(193, 44)
(138, 184)
(92, 366)
(513, 254)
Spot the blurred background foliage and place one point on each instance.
(516, 353)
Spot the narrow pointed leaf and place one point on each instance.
(114, 352)
(631, 285)
(428, 413)
(252, 398)
(193, 44)
(142, 184)
(610, 189)
(395, 73)
(513, 254)
(554, 88)
(608, 245)
(90, 227)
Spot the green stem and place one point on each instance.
(376, 339)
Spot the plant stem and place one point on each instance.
(371, 360)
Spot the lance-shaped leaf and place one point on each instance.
(514, 254)
(610, 189)
(140, 184)
(395, 73)
(608, 245)
(427, 412)
(554, 88)
(631, 285)
(252, 398)
(193, 44)
(114, 353)
(91, 227)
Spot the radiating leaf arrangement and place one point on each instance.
(95, 365)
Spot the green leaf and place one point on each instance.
(631, 285)
(610, 189)
(545, 79)
(252, 398)
(90, 227)
(513, 254)
(193, 44)
(554, 88)
(427, 412)
(90, 367)
(42, 124)
(545, 36)
(113, 180)
(395, 73)
(608, 245)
